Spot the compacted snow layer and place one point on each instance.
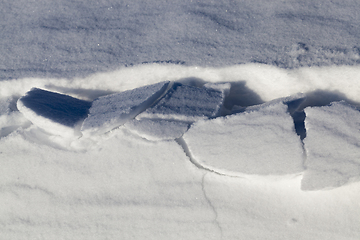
(258, 141)
(333, 146)
(186, 103)
(114, 110)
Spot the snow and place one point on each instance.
(186, 103)
(332, 144)
(157, 129)
(157, 177)
(114, 110)
(259, 141)
(230, 120)
(57, 114)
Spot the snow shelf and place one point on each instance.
(55, 113)
(111, 111)
(332, 145)
(261, 140)
(186, 103)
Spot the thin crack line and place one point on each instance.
(216, 222)
(185, 148)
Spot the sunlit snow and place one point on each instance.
(179, 120)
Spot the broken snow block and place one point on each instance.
(261, 141)
(186, 103)
(156, 130)
(332, 146)
(111, 111)
(56, 113)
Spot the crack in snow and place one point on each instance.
(216, 222)
(185, 148)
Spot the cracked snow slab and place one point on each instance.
(261, 140)
(56, 113)
(156, 130)
(186, 103)
(333, 146)
(111, 111)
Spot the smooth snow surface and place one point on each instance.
(332, 144)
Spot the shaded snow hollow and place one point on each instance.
(261, 140)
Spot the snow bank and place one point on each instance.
(332, 146)
(109, 112)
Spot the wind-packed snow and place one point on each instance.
(179, 120)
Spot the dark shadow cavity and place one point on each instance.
(192, 81)
(241, 95)
(320, 98)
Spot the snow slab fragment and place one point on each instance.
(261, 140)
(332, 145)
(186, 103)
(55, 113)
(109, 112)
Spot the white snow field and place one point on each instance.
(179, 120)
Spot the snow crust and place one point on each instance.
(258, 141)
(114, 110)
(186, 103)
